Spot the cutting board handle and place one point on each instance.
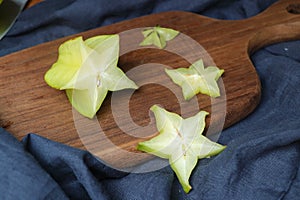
(284, 19)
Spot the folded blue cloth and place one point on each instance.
(263, 155)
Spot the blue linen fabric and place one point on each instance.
(262, 157)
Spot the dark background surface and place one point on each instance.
(263, 154)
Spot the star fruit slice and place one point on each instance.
(158, 36)
(197, 79)
(87, 70)
(181, 141)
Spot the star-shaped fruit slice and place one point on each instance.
(158, 36)
(197, 79)
(87, 70)
(181, 141)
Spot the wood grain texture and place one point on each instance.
(28, 105)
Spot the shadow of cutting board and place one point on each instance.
(28, 105)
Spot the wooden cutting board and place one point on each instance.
(29, 105)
